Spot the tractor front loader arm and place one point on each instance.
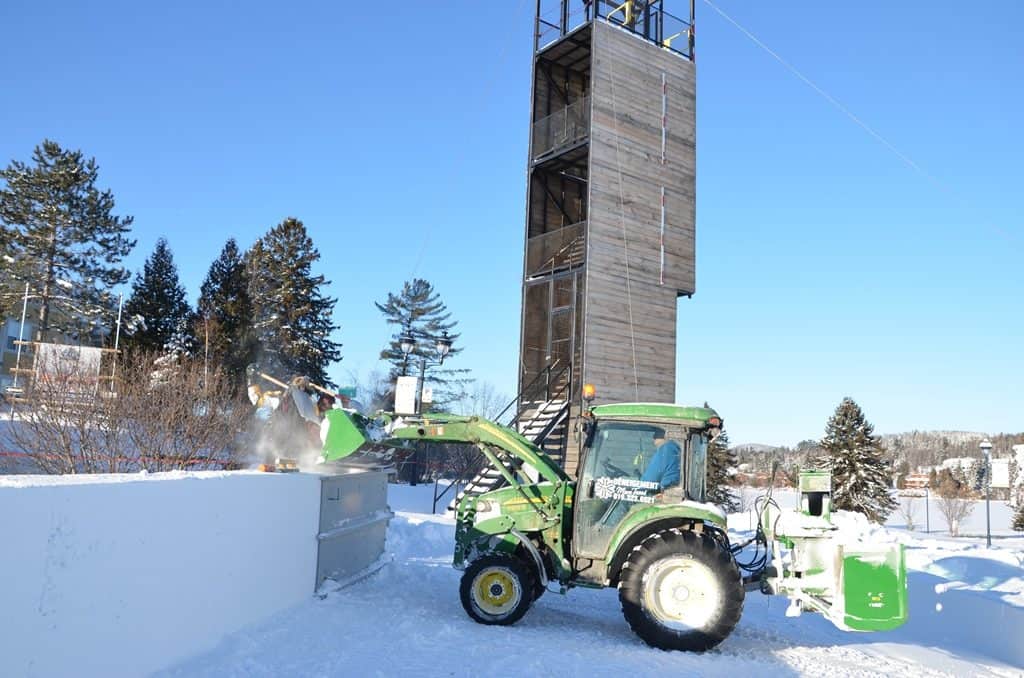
(345, 433)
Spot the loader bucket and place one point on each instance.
(874, 587)
(345, 434)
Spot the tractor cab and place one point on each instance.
(638, 461)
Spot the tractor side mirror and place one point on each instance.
(589, 426)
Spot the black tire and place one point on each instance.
(707, 591)
(524, 556)
(497, 589)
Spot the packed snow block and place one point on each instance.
(970, 622)
(354, 518)
(121, 575)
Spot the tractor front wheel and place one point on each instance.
(497, 589)
(681, 590)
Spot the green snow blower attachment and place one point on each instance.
(856, 585)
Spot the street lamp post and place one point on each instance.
(986, 449)
(407, 344)
(927, 515)
(443, 346)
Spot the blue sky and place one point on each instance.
(827, 265)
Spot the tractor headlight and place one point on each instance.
(485, 510)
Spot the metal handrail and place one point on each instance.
(554, 376)
(526, 389)
(549, 396)
(650, 20)
(571, 241)
(564, 127)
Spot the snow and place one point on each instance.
(122, 575)
(27, 481)
(965, 619)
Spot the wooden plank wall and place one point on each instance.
(626, 94)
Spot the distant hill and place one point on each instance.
(909, 450)
(754, 447)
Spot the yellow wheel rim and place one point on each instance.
(496, 590)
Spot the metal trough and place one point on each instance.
(354, 517)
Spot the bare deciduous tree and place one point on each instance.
(181, 414)
(65, 427)
(955, 505)
(483, 400)
(463, 461)
(161, 415)
(907, 509)
(373, 392)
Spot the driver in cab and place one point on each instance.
(664, 465)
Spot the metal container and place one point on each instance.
(354, 518)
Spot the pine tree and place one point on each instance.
(58, 234)
(854, 455)
(293, 319)
(1018, 519)
(419, 308)
(225, 315)
(159, 300)
(720, 460)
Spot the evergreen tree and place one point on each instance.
(720, 460)
(1018, 519)
(159, 300)
(225, 315)
(419, 308)
(854, 455)
(58, 234)
(293, 319)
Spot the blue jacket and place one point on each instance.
(664, 466)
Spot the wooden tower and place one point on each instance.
(610, 210)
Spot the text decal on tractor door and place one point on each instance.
(626, 489)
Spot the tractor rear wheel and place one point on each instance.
(681, 590)
(497, 589)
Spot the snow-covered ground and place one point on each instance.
(966, 619)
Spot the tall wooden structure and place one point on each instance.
(610, 209)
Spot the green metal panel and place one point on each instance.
(654, 411)
(641, 515)
(815, 481)
(874, 589)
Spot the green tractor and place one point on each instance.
(637, 519)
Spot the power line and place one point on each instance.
(942, 186)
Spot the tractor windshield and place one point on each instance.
(641, 452)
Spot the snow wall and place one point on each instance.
(126, 574)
